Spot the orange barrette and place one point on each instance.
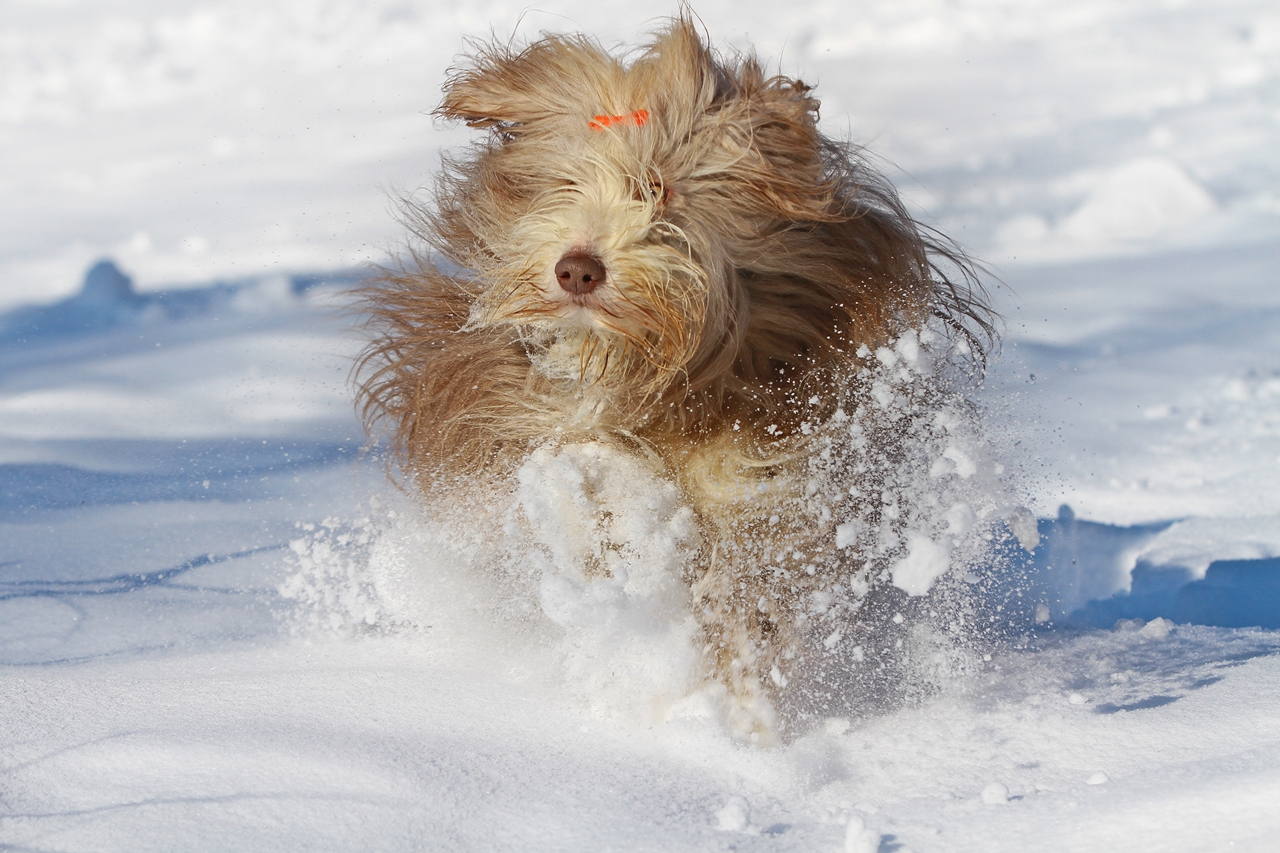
(636, 117)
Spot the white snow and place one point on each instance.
(859, 838)
(1136, 201)
(925, 562)
(995, 794)
(221, 628)
(735, 816)
(609, 542)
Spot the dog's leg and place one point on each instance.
(737, 650)
(738, 593)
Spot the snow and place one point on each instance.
(925, 562)
(222, 628)
(995, 793)
(859, 838)
(1137, 200)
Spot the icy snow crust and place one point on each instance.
(220, 627)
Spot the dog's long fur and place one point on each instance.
(748, 258)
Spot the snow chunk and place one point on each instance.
(908, 347)
(735, 816)
(1157, 629)
(847, 533)
(960, 519)
(926, 561)
(859, 838)
(995, 794)
(1098, 778)
(1025, 527)
(964, 465)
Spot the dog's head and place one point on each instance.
(622, 214)
(670, 232)
(664, 245)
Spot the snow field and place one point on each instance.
(221, 629)
(161, 685)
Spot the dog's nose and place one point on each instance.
(579, 274)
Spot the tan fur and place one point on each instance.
(747, 257)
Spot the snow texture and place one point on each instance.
(222, 628)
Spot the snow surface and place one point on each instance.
(221, 628)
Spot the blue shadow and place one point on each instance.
(1074, 553)
(217, 470)
(108, 301)
(118, 584)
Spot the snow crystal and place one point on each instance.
(910, 440)
(328, 584)
(847, 533)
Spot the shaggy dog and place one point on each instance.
(666, 255)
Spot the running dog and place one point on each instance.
(661, 252)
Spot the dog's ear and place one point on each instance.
(514, 92)
(763, 130)
(782, 98)
(767, 128)
(680, 65)
(678, 73)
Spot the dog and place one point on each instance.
(663, 253)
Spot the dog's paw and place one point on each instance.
(606, 522)
(612, 538)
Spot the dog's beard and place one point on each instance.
(574, 353)
(634, 336)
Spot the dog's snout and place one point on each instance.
(579, 274)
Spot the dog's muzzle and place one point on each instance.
(579, 274)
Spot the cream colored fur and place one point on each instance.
(747, 258)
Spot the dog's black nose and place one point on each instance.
(579, 274)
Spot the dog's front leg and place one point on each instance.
(748, 626)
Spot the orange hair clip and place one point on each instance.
(636, 117)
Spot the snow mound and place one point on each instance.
(105, 284)
(1200, 571)
(108, 300)
(1138, 200)
(1131, 207)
